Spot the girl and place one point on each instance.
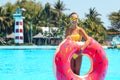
(76, 33)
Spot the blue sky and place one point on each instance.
(104, 7)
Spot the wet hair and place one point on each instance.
(72, 14)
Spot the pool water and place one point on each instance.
(114, 64)
(37, 64)
(26, 64)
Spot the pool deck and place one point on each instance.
(35, 47)
(27, 47)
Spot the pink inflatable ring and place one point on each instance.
(64, 53)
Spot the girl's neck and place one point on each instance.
(74, 26)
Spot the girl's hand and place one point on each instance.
(68, 37)
(80, 52)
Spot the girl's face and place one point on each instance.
(74, 19)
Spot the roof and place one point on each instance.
(110, 32)
(10, 35)
(39, 35)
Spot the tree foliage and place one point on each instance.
(93, 25)
(39, 16)
(114, 18)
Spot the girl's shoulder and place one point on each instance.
(79, 28)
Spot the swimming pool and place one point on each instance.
(36, 64)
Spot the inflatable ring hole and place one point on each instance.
(85, 65)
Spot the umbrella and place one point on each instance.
(10, 35)
(39, 35)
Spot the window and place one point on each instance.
(17, 37)
(17, 23)
(21, 37)
(21, 23)
(17, 30)
(21, 30)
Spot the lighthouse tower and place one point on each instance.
(18, 29)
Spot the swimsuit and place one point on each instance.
(76, 38)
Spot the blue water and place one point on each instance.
(37, 64)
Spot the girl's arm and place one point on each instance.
(67, 32)
(86, 37)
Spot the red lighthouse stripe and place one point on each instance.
(21, 30)
(21, 23)
(21, 37)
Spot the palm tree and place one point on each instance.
(93, 16)
(6, 19)
(10, 10)
(62, 20)
(45, 18)
(114, 17)
(93, 25)
(2, 18)
(59, 7)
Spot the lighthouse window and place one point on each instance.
(21, 30)
(21, 23)
(17, 23)
(21, 37)
(17, 37)
(17, 30)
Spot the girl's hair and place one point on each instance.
(72, 14)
